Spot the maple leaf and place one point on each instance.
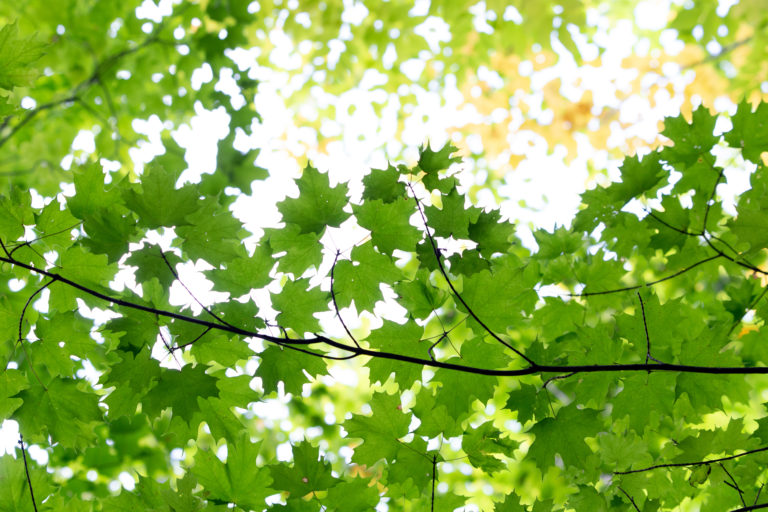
(453, 219)
(569, 443)
(318, 205)
(400, 339)
(380, 431)
(383, 184)
(431, 162)
(749, 131)
(358, 279)
(235, 481)
(308, 473)
(298, 305)
(17, 53)
(389, 224)
(157, 202)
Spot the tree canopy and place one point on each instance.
(392, 340)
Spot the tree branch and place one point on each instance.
(296, 343)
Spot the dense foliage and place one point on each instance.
(437, 362)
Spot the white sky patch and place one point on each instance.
(652, 14)
(434, 30)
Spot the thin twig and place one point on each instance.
(751, 507)
(26, 470)
(647, 337)
(631, 500)
(639, 286)
(434, 478)
(749, 308)
(335, 305)
(179, 347)
(686, 464)
(20, 340)
(176, 276)
(556, 377)
(735, 484)
(456, 294)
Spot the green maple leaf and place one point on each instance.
(358, 279)
(381, 431)
(431, 162)
(17, 54)
(318, 205)
(222, 349)
(459, 390)
(749, 131)
(355, 494)
(179, 390)
(658, 395)
(623, 451)
(92, 196)
(55, 225)
(751, 228)
(135, 330)
(389, 224)
(383, 184)
(213, 234)
(297, 505)
(691, 140)
(718, 440)
(435, 419)
(239, 480)
(238, 169)
(453, 219)
(131, 378)
(419, 296)
(87, 268)
(468, 263)
(14, 493)
(109, 232)
(15, 213)
(500, 297)
(400, 339)
(243, 274)
(308, 474)
(302, 250)
(510, 504)
(290, 367)
(569, 442)
(762, 430)
(412, 468)
(11, 383)
(221, 421)
(236, 391)
(491, 234)
(62, 336)
(638, 176)
(71, 332)
(484, 440)
(156, 200)
(675, 215)
(62, 411)
(298, 305)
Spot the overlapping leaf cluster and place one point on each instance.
(619, 364)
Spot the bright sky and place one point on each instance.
(370, 140)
